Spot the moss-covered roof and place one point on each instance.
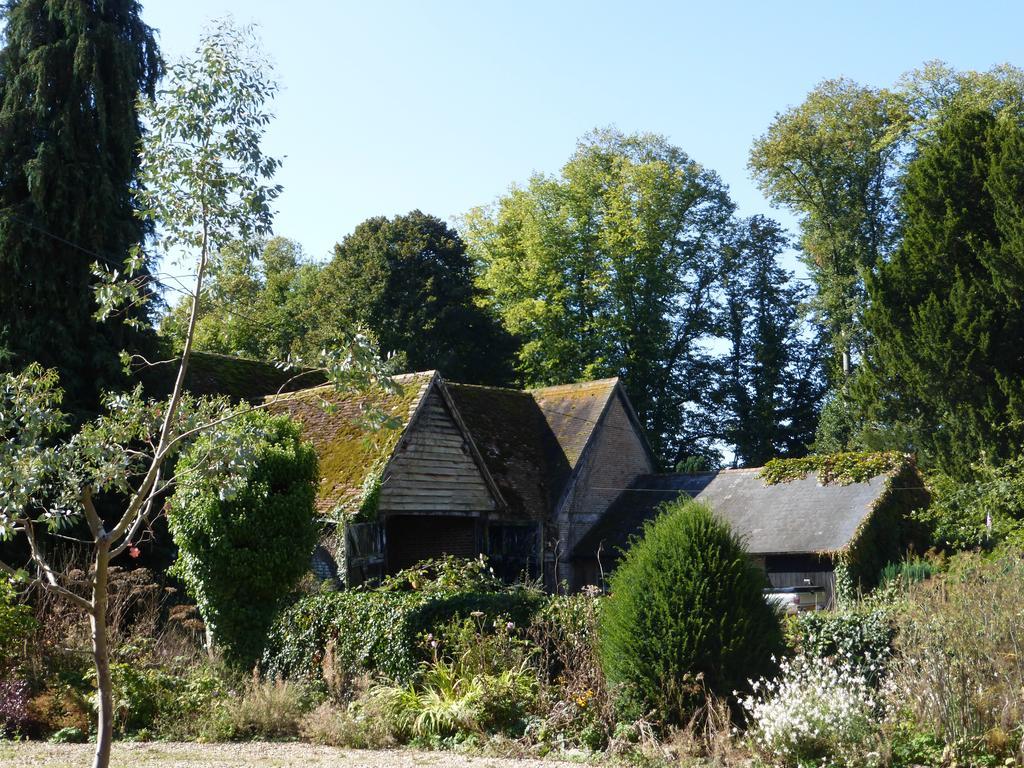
(238, 378)
(572, 412)
(348, 447)
(529, 441)
(515, 444)
(532, 440)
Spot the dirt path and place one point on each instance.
(248, 755)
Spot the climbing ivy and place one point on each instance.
(839, 468)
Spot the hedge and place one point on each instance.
(377, 631)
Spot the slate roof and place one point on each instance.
(238, 378)
(346, 447)
(796, 517)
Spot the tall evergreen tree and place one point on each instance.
(947, 359)
(772, 380)
(71, 72)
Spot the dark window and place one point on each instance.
(513, 550)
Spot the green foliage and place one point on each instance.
(979, 513)
(841, 468)
(693, 465)
(240, 554)
(71, 74)
(860, 637)
(445, 576)
(409, 281)
(69, 735)
(16, 624)
(608, 269)
(478, 680)
(945, 309)
(256, 308)
(906, 572)
(829, 160)
(838, 161)
(381, 630)
(771, 380)
(686, 604)
(150, 700)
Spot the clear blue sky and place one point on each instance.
(391, 106)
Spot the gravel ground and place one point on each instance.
(248, 755)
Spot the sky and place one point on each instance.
(391, 106)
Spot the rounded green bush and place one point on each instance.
(241, 554)
(686, 616)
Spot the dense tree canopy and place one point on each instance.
(609, 269)
(838, 161)
(253, 308)
(830, 160)
(409, 281)
(70, 75)
(947, 356)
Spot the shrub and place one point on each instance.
(959, 667)
(379, 630)
(155, 701)
(686, 614)
(860, 638)
(479, 680)
(818, 711)
(266, 709)
(982, 512)
(16, 624)
(577, 711)
(13, 705)
(358, 726)
(241, 552)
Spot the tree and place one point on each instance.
(771, 384)
(686, 615)
(609, 270)
(831, 161)
(945, 313)
(409, 281)
(204, 180)
(257, 309)
(240, 555)
(71, 74)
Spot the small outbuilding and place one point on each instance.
(798, 522)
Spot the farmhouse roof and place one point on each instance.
(532, 440)
(238, 378)
(348, 449)
(796, 517)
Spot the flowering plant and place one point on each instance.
(816, 710)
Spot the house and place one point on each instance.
(552, 482)
(468, 470)
(797, 529)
